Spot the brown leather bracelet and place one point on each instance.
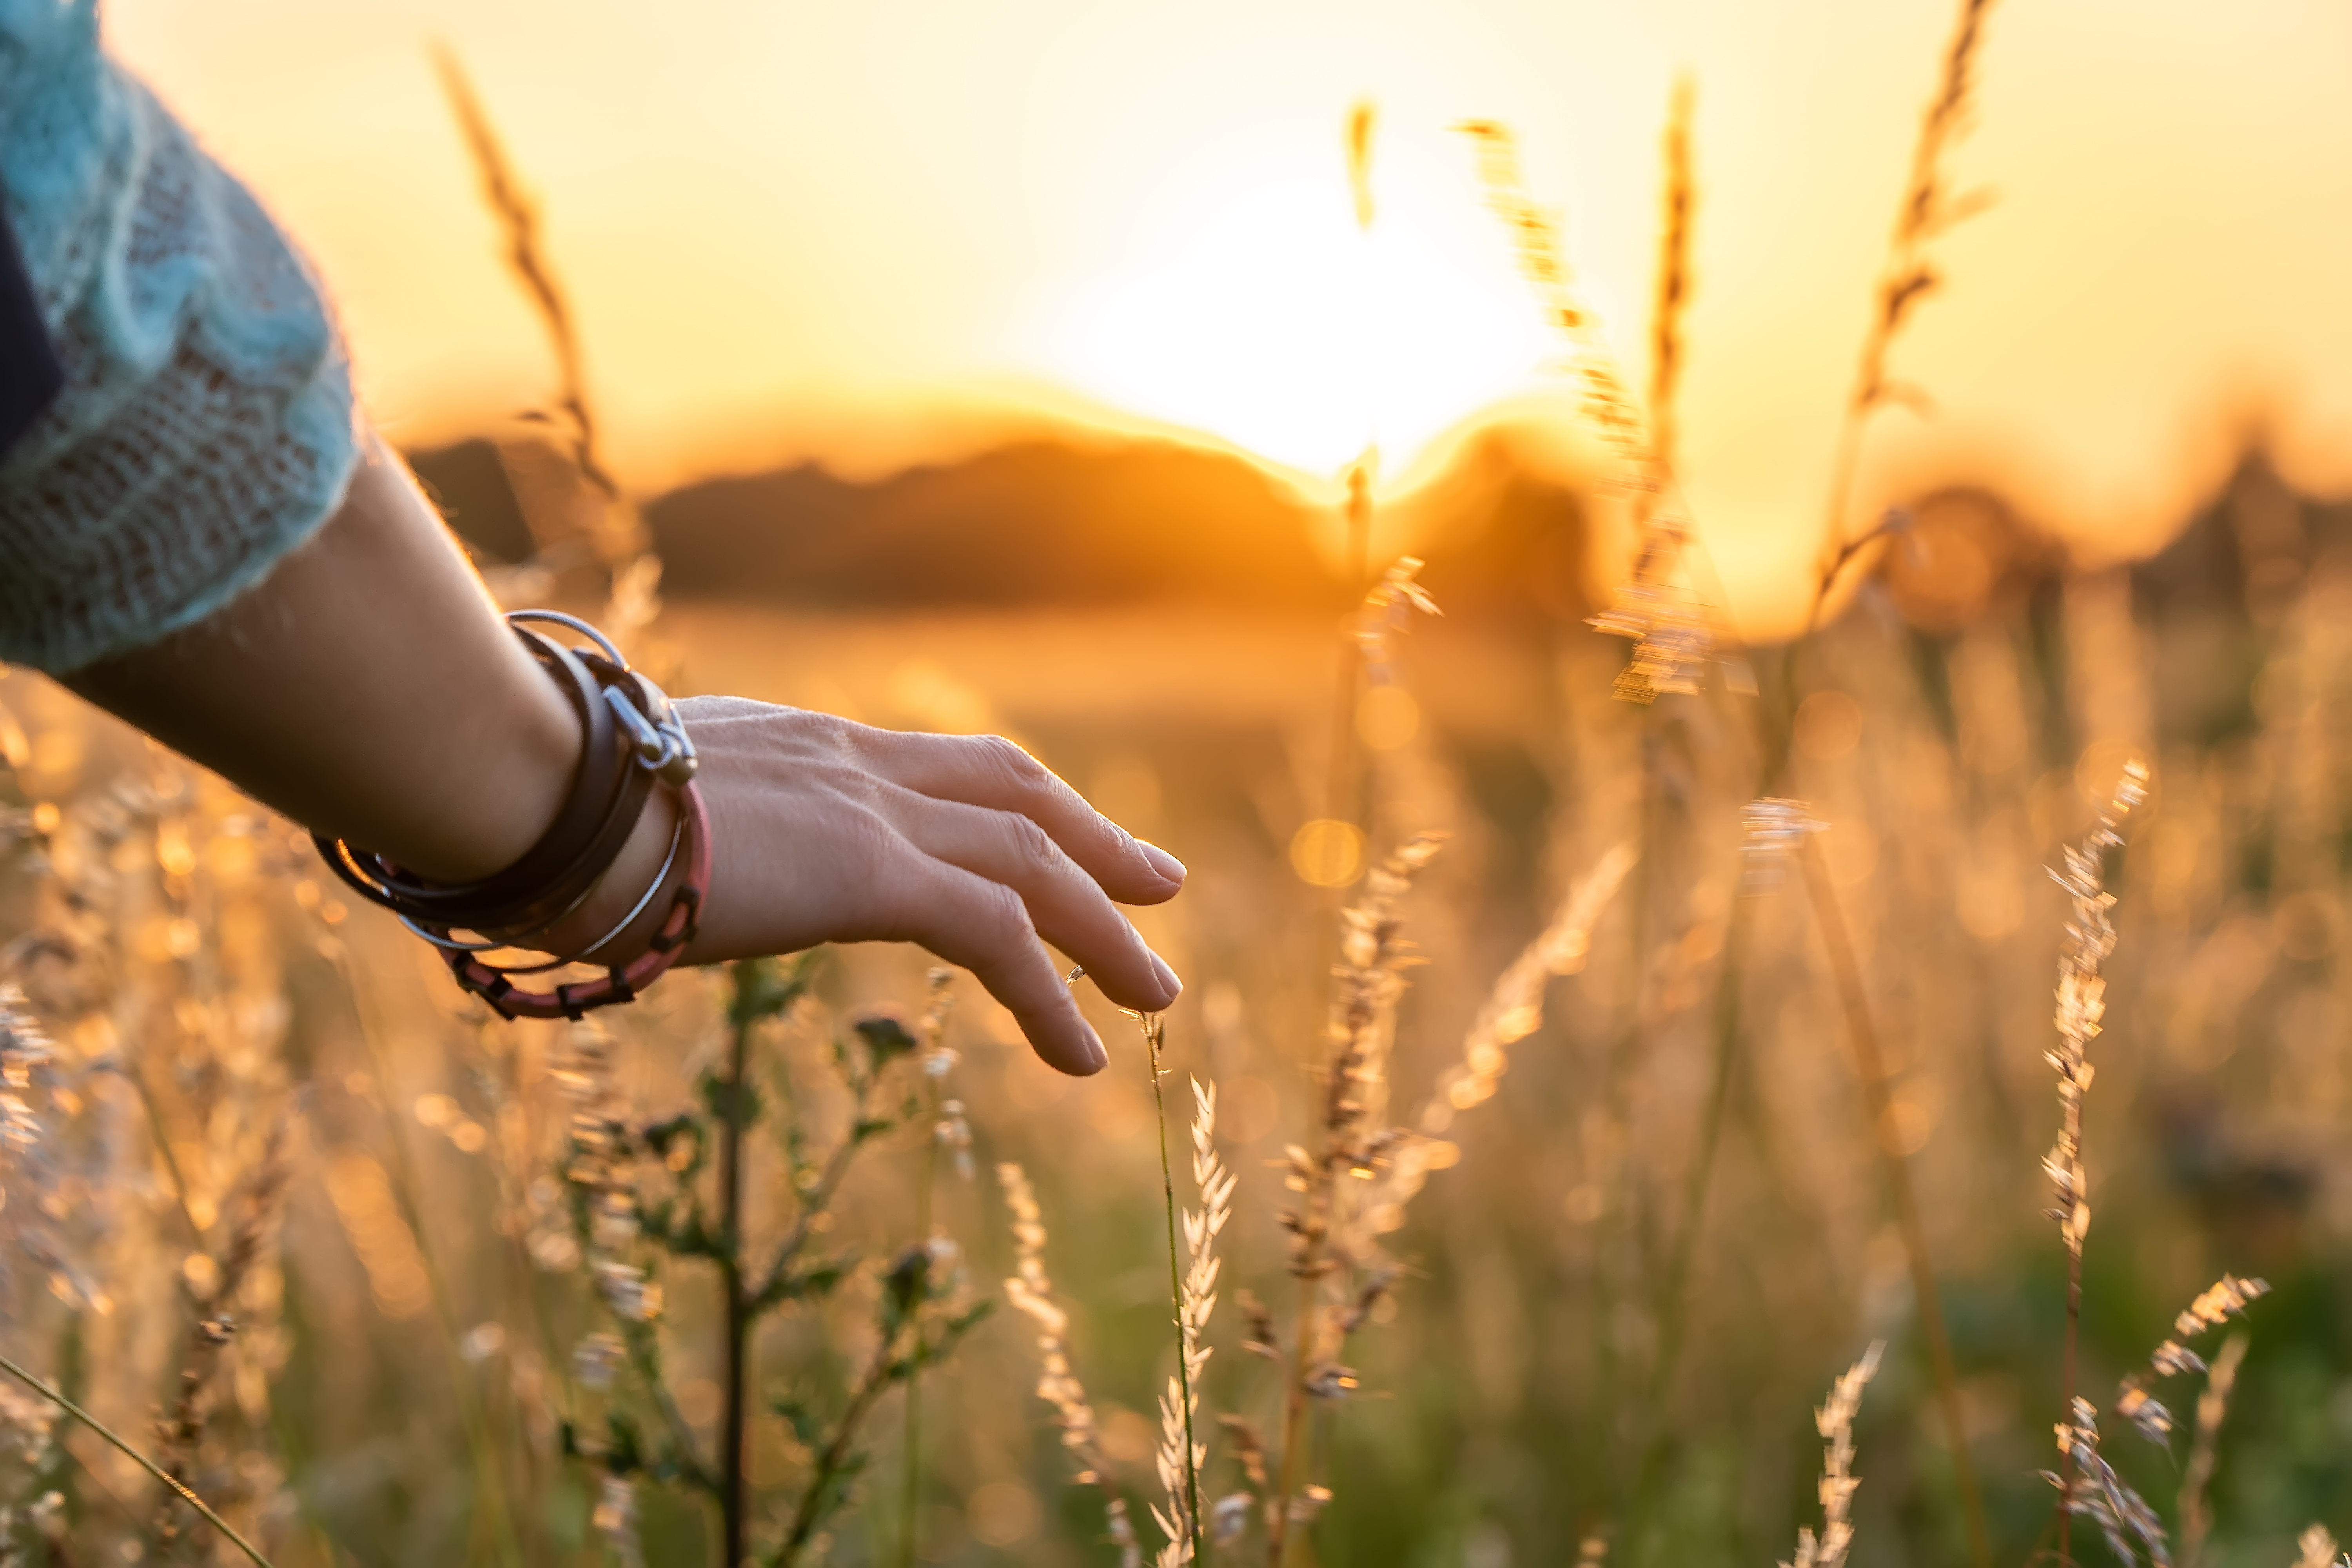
(600, 810)
(633, 738)
(630, 738)
(494, 984)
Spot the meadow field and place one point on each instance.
(1638, 1257)
(1637, 1098)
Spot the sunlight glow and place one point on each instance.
(1280, 327)
(836, 233)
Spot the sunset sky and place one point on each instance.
(853, 231)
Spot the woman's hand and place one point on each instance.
(830, 831)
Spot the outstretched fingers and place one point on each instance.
(1066, 905)
(982, 926)
(990, 771)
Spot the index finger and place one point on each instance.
(992, 772)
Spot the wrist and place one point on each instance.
(614, 834)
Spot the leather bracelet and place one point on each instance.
(631, 737)
(495, 983)
(448, 944)
(599, 809)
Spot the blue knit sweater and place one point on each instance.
(205, 427)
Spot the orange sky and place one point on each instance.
(806, 229)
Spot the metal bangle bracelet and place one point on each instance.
(521, 939)
(661, 880)
(603, 644)
(451, 944)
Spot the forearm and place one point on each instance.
(366, 688)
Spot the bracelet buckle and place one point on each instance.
(661, 742)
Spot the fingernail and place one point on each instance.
(1164, 863)
(1174, 986)
(1100, 1058)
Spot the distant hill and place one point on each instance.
(1031, 523)
(1043, 522)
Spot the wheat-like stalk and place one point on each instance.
(141, 1460)
(1030, 1291)
(31, 1080)
(1673, 282)
(1334, 1252)
(2082, 1004)
(1543, 261)
(1182, 1455)
(2091, 1488)
(25, 1051)
(2226, 1298)
(1835, 1421)
(950, 1130)
(182, 1434)
(1513, 1007)
(2212, 1406)
(1202, 1225)
(618, 536)
(1673, 635)
(1928, 209)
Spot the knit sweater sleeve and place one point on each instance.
(205, 427)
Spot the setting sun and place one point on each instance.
(1278, 325)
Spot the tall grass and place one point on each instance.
(657, 1293)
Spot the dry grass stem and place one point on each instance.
(2091, 1487)
(1657, 607)
(618, 537)
(2226, 1298)
(259, 1206)
(1513, 1007)
(526, 253)
(1928, 210)
(2204, 1450)
(950, 1130)
(1674, 282)
(141, 1460)
(1030, 1291)
(2082, 1003)
(1834, 1420)
(1334, 1252)
(1181, 1455)
(1878, 1102)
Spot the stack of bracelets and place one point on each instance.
(633, 741)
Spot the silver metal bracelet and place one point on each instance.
(451, 944)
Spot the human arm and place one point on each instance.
(367, 689)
